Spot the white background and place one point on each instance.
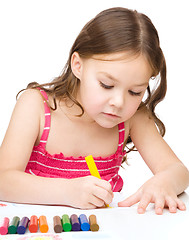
(36, 36)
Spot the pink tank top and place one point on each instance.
(42, 163)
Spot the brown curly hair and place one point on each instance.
(115, 30)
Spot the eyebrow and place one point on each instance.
(142, 84)
(109, 76)
(116, 80)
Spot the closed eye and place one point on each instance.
(105, 86)
(135, 93)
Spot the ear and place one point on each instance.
(76, 65)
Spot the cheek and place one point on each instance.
(131, 108)
(91, 99)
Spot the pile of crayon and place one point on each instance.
(20, 226)
(66, 224)
(75, 223)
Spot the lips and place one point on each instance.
(111, 115)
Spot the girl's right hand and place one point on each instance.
(89, 192)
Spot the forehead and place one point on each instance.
(119, 56)
(123, 64)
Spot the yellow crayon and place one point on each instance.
(92, 168)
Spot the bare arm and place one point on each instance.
(171, 177)
(21, 187)
(23, 130)
(15, 151)
(86, 192)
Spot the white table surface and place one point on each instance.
(115, 223)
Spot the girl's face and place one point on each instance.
(112, 86)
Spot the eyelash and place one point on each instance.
(135, 93)
(105, 86)
(110, 87)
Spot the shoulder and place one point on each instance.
(138, 121)
(141, 123)
(23, 129)
(32, 96)
(28, 111)
(30, 106)
(30, 102)
(141, 118)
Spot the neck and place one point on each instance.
(73, 112)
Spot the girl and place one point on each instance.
(95, 107)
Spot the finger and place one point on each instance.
(103, 195)
(97, 202)
(159, 205)
(89, 206)
(103, 184)
(106, 185)
(181, 206)
(104, 190)
(86, 206)
(172, 204)
(144, 202)
(128, 202)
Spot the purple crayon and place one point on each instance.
(23, 225)
(75, 223)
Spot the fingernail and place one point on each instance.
(173, 209)
(159, 211)
(182, 207)
(140, 210)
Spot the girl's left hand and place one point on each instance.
(158, 191)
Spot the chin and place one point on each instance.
(106, 124)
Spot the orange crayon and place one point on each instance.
(33, 225)
(43, 226)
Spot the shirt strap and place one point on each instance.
(47, 125)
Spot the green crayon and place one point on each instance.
(66, 224)
(12, 229)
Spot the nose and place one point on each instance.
(117, 100)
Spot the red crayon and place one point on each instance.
(4, 226)
(33, 225)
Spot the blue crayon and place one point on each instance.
(85, 226)
(23, 225)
